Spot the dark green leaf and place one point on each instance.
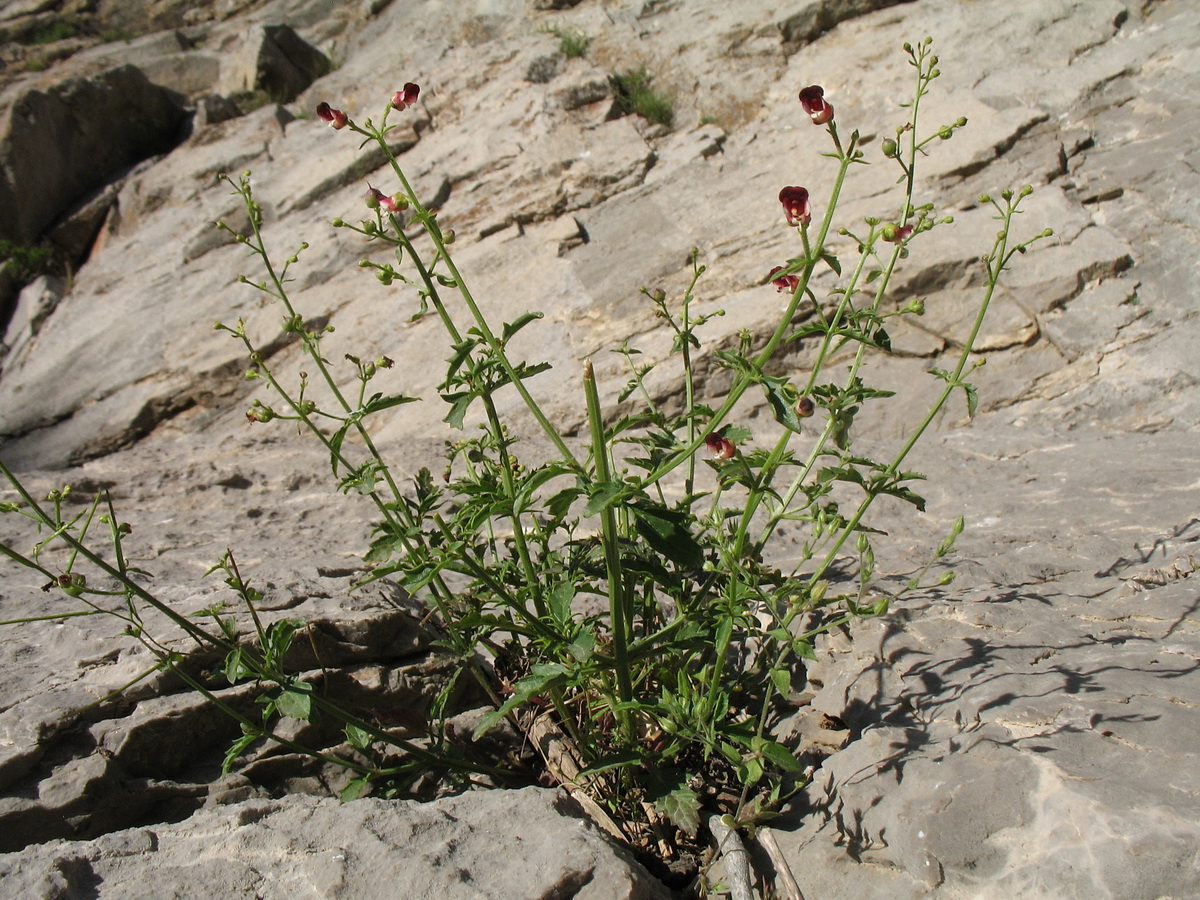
(459, 403)
(380, 402)
(559, 601)
(603, 495)
(511, 328)
(781, 756)
(236, 749)
(972, 399)
(666, 530)
(335, 447)
(782, 397)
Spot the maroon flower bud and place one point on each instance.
(812, 98)
(377, 199)
(720, 447)
(787, 283)
(805, 407)
(406, 97)
(795, 205)
(335, 118)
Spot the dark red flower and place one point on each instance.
(805, 407)
(405, 97)
(795, 205)
(787, 283)
(720, 447)
(334, 117)
(812, 98)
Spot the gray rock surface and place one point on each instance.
(59, 144)
(482, 846)
(1028, 731)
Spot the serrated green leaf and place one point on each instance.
(972, 399)
(237, 748)
(559, 602)
(459, 403)
(511, 328)
(666, 530)
(541, 678)
(682, 807)
(603, 495)
(380, 402)
(584, 645)
(739, 434)
(560, 504)
(782, 397)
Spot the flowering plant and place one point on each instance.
(659, 702)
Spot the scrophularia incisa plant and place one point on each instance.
(626, 605)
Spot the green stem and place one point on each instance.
(618, 613)
(743, 382)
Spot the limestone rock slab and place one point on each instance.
(499, 845)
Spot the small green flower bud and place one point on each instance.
(945, 132)
(448, 236)
(889, 232)
(890, 148)
(960, 122)
(337, 223)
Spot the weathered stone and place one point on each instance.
(273, 59)
(58, 144)
(477, 846)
